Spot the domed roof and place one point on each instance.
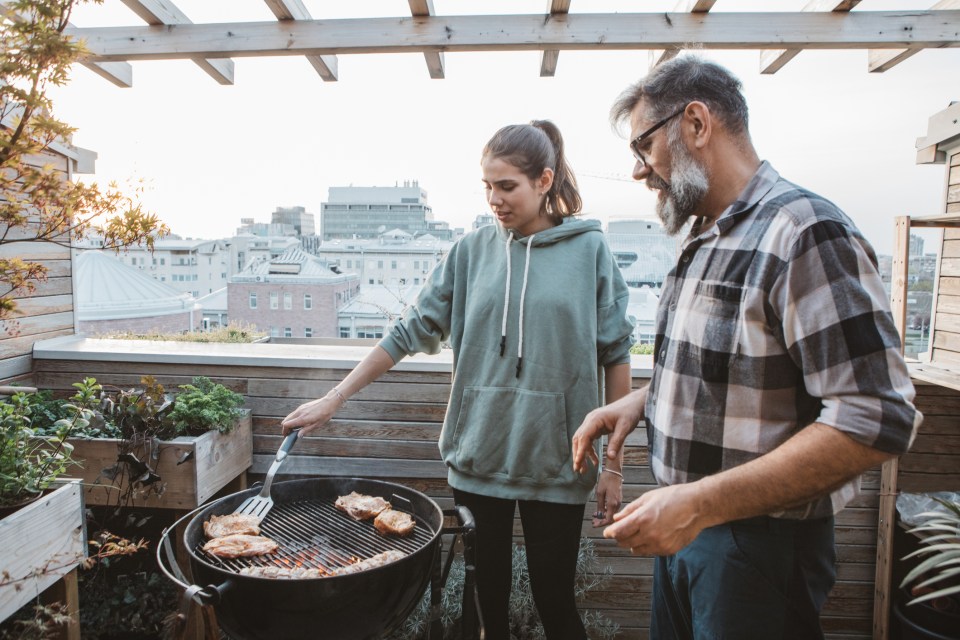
(107, 289)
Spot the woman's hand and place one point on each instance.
(312, 415)
(609, 498)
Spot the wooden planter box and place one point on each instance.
(39, 545)
(193, 468)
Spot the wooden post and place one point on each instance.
(66, 591)
(888, 475)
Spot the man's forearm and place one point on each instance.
(811, 464)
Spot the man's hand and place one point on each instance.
(616, 419)
(661, 521)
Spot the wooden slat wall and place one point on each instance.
(946, 320)
(390, 429)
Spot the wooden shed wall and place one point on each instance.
(390, 430)
(46, 312)
(946, 317)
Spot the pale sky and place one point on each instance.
(280, 136)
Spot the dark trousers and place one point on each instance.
(762, 578)
(551, 534)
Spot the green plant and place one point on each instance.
(205, 405)
(937, 577)
(642, 349)
(27, 465)
(524, 620)
(235, 333)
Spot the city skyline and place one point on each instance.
(210, 155)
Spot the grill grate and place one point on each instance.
(313, 534)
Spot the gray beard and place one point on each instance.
(678, 200)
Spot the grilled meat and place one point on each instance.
(240, 545)
(361, 507)
(282, 573)
(370, 563)
(230, 524)
(397, 523)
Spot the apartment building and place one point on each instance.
(293, 295)
(395, 258)
(195, 267)
(366, 212)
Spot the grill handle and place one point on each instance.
(167, 561)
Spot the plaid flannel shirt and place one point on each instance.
(774, 318)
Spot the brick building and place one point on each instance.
(294, 295)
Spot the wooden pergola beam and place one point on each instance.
(550, 57)
(119, 73)
(326, 66)
(683, 6)
(773, 60)
(434, 59)
(164, 12)
(802, 30)
(880, 61)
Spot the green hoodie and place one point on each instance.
(523, 379)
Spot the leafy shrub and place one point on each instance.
(205, 405)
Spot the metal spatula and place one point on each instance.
(261, 503)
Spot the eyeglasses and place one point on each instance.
(635, 143)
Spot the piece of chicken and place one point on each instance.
(240, 545)
(361, 507)
(230, 524)
(370, 563)
(396, 523)
(282, 573)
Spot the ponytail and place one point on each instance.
(532, 148)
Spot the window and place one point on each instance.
(274, 333)
(393, 264)
(369, 332)
(287, 300)
(379, 264)
(307, 301)
(274, 300)
(344, 332)
(308, 332)
(416, 265)
(163, 261)
(287, 332)
(416, 281)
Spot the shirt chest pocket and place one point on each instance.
(714, 322)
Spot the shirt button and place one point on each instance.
(673, 307)
(663, 355)
(685, 259)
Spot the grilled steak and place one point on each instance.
(361, 507)
(230, 524)
(282, 573)
(370, 563)
(240, 545)
(395, 523)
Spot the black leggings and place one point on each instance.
(551, 534)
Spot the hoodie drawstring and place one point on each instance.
(506, 300)
(506, 303)
(523, 294)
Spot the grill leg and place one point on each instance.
(435, 624)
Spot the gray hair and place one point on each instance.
(682, 80)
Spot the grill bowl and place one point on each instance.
(368, 604)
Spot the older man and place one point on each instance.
(777, 376)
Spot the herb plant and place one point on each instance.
(204, 405)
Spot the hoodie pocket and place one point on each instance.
(511, 433)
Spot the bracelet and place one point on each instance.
(343, 400)
(616, 473)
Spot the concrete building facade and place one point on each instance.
(394, 258)
(365, 212)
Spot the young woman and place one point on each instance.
(531, 307)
